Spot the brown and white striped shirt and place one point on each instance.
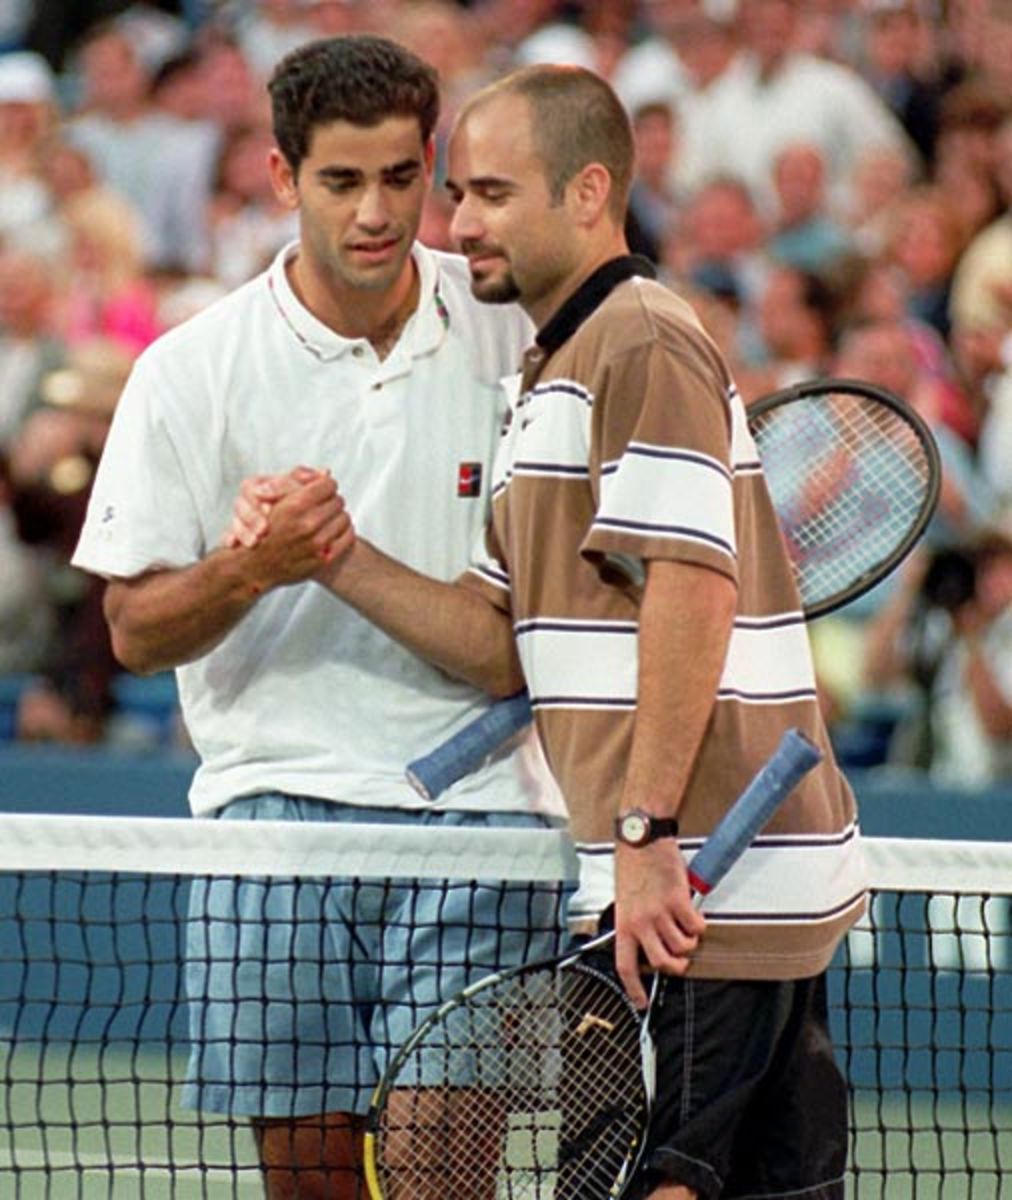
(629, 442)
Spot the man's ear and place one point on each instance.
(588, 192)
(283, 178)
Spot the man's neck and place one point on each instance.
(547, 306)
(378, 316)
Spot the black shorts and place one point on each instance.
(750, 1100)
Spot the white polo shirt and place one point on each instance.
(304, 696)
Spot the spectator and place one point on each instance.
(176, 88)
(268, 29)
(440, 32)
(805, 235)
(157, 34)
(248, 224)
(882, 351)
(896, 66)
(26, 619)
(995, 446)
(334, 18)
(652, 70)
(773, 95)
(796, 316)
(653, 199)
(530, 31)
(106, 293)
(970, 118)
(984, 29)
(981, 311)
(972, 706)
(880, 293)
(981, 295)
(233, 95)
(864, 698)
(28, 113)
(681, 66)
(947, 637)
(160, 164)
(924, 241)
(52, 463)
(878, 182)
(29, 348)
(717, 243)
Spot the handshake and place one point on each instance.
(295, 527)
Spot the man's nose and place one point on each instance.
(373, 212)
(465, 226)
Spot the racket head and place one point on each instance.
(854, 475)
(533, 1082)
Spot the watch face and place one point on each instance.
(635, 828)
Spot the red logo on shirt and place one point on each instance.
(469, 479)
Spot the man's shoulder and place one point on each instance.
(226, 317)
(640, 308)
(645, 316)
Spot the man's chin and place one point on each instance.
(494, 291)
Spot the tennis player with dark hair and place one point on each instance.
(364, 352)
(634, 575)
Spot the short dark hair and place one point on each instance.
(360, 78)
(576, 120)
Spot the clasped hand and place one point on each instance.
(296, 524)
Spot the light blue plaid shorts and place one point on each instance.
(299, 991)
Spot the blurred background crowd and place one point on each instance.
(828, 181)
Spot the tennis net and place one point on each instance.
(99, 950)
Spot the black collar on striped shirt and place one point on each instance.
(589, 296)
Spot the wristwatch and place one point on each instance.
(638, 828)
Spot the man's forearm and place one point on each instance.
(165, 618)
(449, 626)
(686, 618)
(993, 709)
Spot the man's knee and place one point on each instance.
(311, 1158)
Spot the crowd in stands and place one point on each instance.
(828, 181)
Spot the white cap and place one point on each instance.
(25, 78)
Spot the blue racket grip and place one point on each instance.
(465, 752)
(790, 762)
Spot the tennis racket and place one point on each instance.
(854, 476)
(538, 1081)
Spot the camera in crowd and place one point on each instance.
(950, 581)
(953, 576)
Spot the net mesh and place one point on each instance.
(99, 949)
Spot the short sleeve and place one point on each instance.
(661, 460)
(487, 572)
(142, 514)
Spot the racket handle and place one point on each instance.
(465, 752)
(791, 761)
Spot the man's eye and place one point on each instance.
(402, 182)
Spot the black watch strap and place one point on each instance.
(661, 827)
(637, 827)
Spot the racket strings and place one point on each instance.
(849, 478)
(532, 1089)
